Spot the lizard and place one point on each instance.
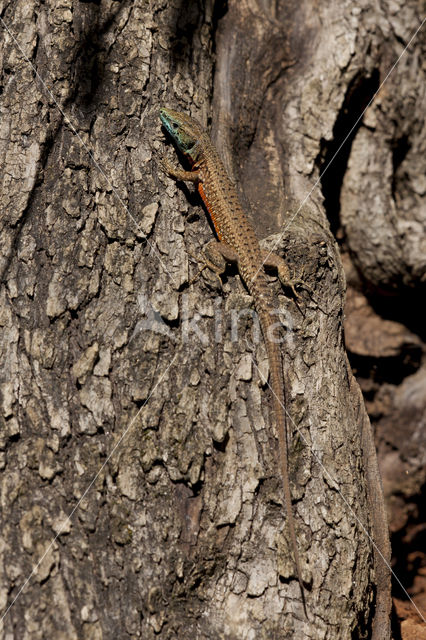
(237, 243)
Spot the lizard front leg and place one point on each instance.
(179, 174)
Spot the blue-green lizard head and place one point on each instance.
(184, 130)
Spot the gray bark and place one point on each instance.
(127, 404)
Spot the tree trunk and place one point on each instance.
(141, 494)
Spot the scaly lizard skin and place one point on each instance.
(237, 243)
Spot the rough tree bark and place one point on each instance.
(126, 401)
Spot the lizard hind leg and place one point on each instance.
(272, 260)
(215, 256)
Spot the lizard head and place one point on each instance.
(184, 130)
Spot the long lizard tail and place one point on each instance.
(278, 393)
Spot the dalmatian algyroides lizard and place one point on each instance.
(238, 244)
